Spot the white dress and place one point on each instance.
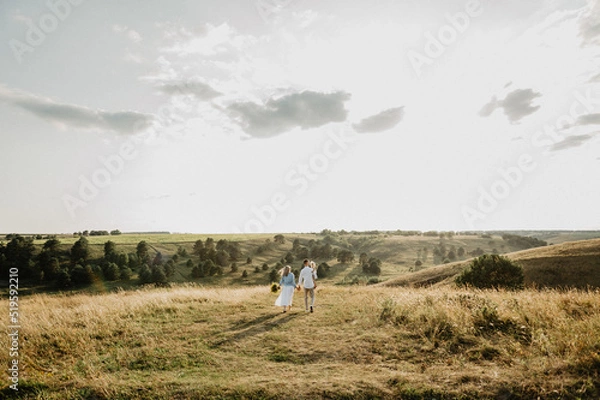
(287, 291)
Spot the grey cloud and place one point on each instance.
(571, 141)
(76, 116)
(305, 110)
(200, 90)
(383, 121)
(590, 26)
(589, 119)
(516, 105)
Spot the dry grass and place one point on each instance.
(362, 342)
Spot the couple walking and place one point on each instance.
(307, 278)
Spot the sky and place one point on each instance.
(299, 115)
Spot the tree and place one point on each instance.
(209, 243)
(279, 239)
(222, 258)
(181, 252)
(245, 274)
(80, 250)
(159, 277)
(189, 263)
(126, 274)
(210, 268)
(323, 270)
(345, 256)
(122, 260)
(234, 267)
(451, 255)
(82, 275)
(143, 252)
(145, 275)
(274, 276)
(50, 266)
(460, 252)
(198, 271)
(372, 266)
(295, 244)
(115, 232)
(112, 272)
(169, 268)
(110, 251)
(198, 247)
(52, 246)
(363, 258)
(249, 260)
(63, 279)
(289, 258)
(492, 271)
(265, 266)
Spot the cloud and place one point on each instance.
(208, 40)
(595, 78)
(589, 28)
(125, 122)
(383, 121)
(200, 90)
(572, 141)
(589, 119)
(131, 34)
(305, 110)
(516, 105)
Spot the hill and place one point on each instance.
(570, 264)
(192, 342)
(251, 259)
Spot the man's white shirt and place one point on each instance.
(308, 276)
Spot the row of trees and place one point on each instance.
(114, 232)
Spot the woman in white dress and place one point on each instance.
(288, 284)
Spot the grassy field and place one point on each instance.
(569, 264)
(193, 342)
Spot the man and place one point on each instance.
(307, 280)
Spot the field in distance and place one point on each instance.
(419, 258)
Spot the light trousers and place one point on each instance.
(312, 297)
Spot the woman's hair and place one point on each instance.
(285, 270)
(313, 265)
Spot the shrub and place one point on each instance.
(492, 271)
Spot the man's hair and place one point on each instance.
(305, 261)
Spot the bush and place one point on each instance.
(492, 271)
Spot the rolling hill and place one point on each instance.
(568, 265)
